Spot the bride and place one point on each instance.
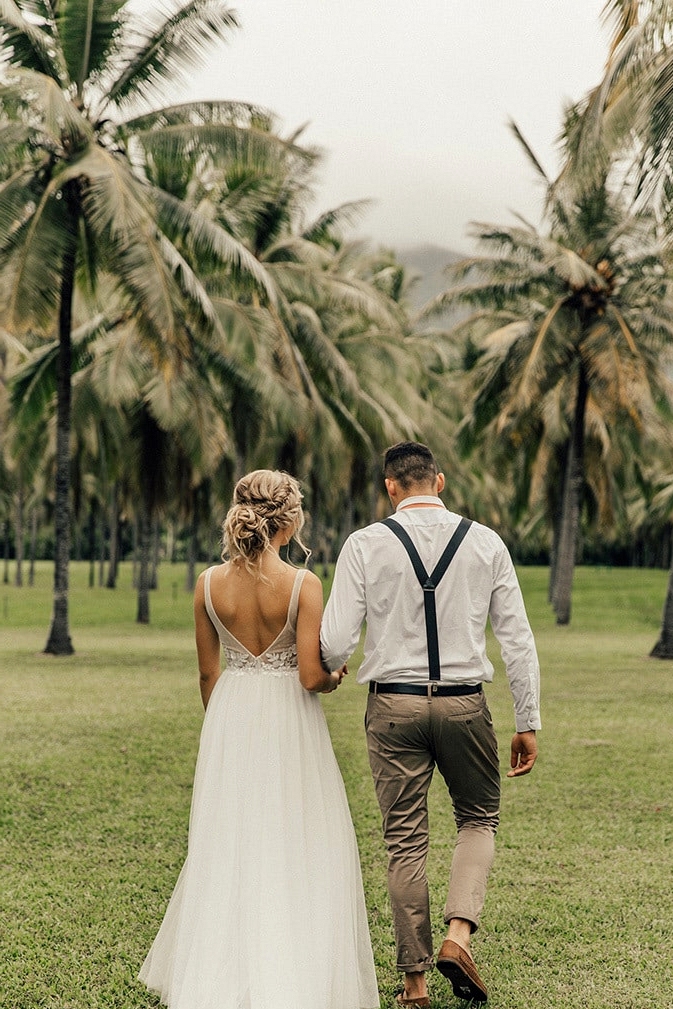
(268, 911)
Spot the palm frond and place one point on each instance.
(14, 140)
(297, 249)
(32, 278)
(118, 212)
(41, 101)
(528, 151)
(574, 270)
(222, 143)
(28, 44)
(86, 30)
(207, 239)
(330, 222)
(33, 386)
(206, 113)
(158, 50)
(10, 344)
(18, 196)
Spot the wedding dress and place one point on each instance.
(268, 911)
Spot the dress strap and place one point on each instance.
(294, 598)
(210, 609)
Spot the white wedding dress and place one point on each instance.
(268, 911)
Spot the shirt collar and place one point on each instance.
(428, 500)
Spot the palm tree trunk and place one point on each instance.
(18, 536)
(155, 546)
(664, 646)
(170, 542)
(59, 642)
(570, 517)
(7, 551)
(92, 543)
(33, 545)
(556, 514)
(192, 548)
(101, 547)
(144, 547)
(114, 539)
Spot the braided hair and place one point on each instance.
(265, 502)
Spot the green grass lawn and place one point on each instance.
(96, 760)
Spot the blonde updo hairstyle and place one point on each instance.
(265, 502)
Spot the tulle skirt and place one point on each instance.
(268, 911)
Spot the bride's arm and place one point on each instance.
(207, 643)
(312, 674)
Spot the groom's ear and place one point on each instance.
(441, 483)
(391, 487)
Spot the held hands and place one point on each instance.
(523, 754)
(335, 678)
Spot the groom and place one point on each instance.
(425, 662)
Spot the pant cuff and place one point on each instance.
(416, 968)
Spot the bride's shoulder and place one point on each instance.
(212, 570)
(309, 581)
(310, 577)
(213, 574)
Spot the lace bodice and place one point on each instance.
(279, 659)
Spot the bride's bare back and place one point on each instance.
(251, 592)
(253, 609)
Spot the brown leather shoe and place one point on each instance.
(458, 966)
(421, 1002)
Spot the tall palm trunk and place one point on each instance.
(114, 539)
(155, 549)
(556, 512)
(144, 548)
(33, 545)
(664, 646)
(7, 551)
(18, 535)
(92, 543)
(572, 498)
(101, 548)
(192, 547)
(59, 642)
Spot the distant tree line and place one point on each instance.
(171, 316)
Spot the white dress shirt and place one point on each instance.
(375, 582)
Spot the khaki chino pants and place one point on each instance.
(407, 736)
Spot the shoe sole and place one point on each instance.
(461, 982)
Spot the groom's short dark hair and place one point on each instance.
(410, 463)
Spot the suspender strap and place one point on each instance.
(429, 582)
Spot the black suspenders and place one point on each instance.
(429, 582)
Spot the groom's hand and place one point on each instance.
(523, 754)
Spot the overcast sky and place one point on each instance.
(410, 101)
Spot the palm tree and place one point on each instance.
(630, 112)
(585, 308)
(160, 437)
(81, 115)
(321, 399)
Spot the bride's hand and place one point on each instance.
(340, 673)
(332, 683)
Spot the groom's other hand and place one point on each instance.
(523, 754)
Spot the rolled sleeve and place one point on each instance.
(346, 608)
(510, 625)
